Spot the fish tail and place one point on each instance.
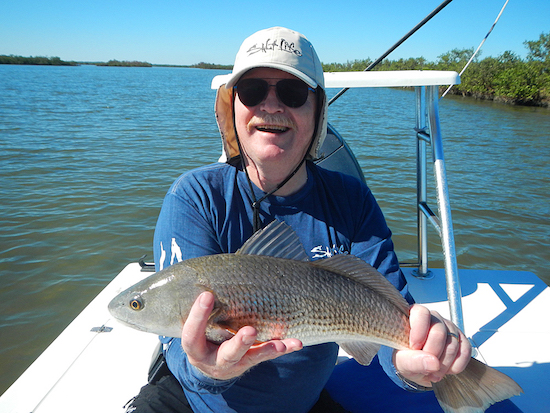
(475, 389)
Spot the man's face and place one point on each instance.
(272, 134)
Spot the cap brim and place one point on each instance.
(285, 68)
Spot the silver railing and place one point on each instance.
(428, 132)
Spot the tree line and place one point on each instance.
(506, 78)
(203, 65)
(37, 60)
(125, 64)
(56, 61)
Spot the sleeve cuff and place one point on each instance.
(385, 356)
(190, 377)
(198, 381)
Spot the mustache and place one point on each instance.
(271, 119)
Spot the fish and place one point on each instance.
(271, 285)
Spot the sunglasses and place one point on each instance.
(291, 92)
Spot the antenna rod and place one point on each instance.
(479, 47)
(396, 45)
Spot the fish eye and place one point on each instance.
(136, 304)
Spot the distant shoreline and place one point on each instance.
(507, 79)
(56, 61)
(34, 60)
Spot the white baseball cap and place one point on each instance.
(279, 48)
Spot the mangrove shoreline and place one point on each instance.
(506, 78)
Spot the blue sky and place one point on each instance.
(191, 31)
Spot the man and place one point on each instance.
(272, 118)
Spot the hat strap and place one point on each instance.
(256, 222)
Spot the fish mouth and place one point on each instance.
(126, 322)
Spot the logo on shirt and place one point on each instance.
(326, 252)
(175, 256)
(318, 252)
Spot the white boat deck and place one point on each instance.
(114, 364)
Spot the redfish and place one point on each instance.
(271, 285)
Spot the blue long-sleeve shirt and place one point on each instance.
(208, 211)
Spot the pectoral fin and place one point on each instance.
(217, 334)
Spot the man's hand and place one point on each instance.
(438, 348)
(233, 357)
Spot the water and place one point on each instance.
(87, 154)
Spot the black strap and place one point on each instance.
(256, 222)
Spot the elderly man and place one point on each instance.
(272, 118)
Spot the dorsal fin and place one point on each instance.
(355, 268)
(276, 240)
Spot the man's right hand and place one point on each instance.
(233, 357)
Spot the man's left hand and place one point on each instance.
(437, 348)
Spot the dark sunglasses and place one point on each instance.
(291, 92)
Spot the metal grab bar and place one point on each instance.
(427, 110)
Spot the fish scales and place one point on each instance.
(286, 298)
